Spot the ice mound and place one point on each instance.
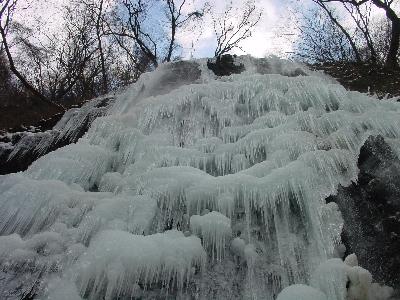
(82, 164)
(213, 189)
(332, 277)
(215, 229)
(300, 292)
(117, 261)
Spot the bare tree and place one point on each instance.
(61, 63)
(7, 9)
(177, 20)
(335, 20)
(391, 60)
(362, 18)
(387, 6)
(231, 29)
(131, 33)
(319, 39)
(96, 11)
(380, 34)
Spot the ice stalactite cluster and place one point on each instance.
(214, 189)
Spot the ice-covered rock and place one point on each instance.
(333, 276)
(245, 162)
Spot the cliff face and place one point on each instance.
(371, 211)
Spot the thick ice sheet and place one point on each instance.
(211, 190)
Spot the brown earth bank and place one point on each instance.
(18, 114)
(365, 78)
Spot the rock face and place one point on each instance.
(19, 150)
(225, 65)
(371, 212)
(176, 75)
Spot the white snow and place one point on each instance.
(301, 292)
(332, 276)
(244, 162)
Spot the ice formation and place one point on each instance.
(117, 261)
(18, 150)
(214, 189)
(215, 229)
(301, 292)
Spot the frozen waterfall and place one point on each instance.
(211, 189)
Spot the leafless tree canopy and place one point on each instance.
(362, 38)
(7, 10)
(131, 30)
(321, 40)
(231, 29)
(103, 44)
(106, 44)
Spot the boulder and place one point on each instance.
(225, 65)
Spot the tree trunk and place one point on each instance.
(391, 59)
(172, 41)
(100, 45)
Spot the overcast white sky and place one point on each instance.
(264, 41)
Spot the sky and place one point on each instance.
(265, 39)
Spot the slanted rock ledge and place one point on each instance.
(19, 150)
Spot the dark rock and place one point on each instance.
(49, 123)
(175, 75)
(268, 66)
(181, 73)
(371, 212)
(225, 65)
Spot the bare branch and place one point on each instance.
(229, 32)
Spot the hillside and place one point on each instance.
(364, 78)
